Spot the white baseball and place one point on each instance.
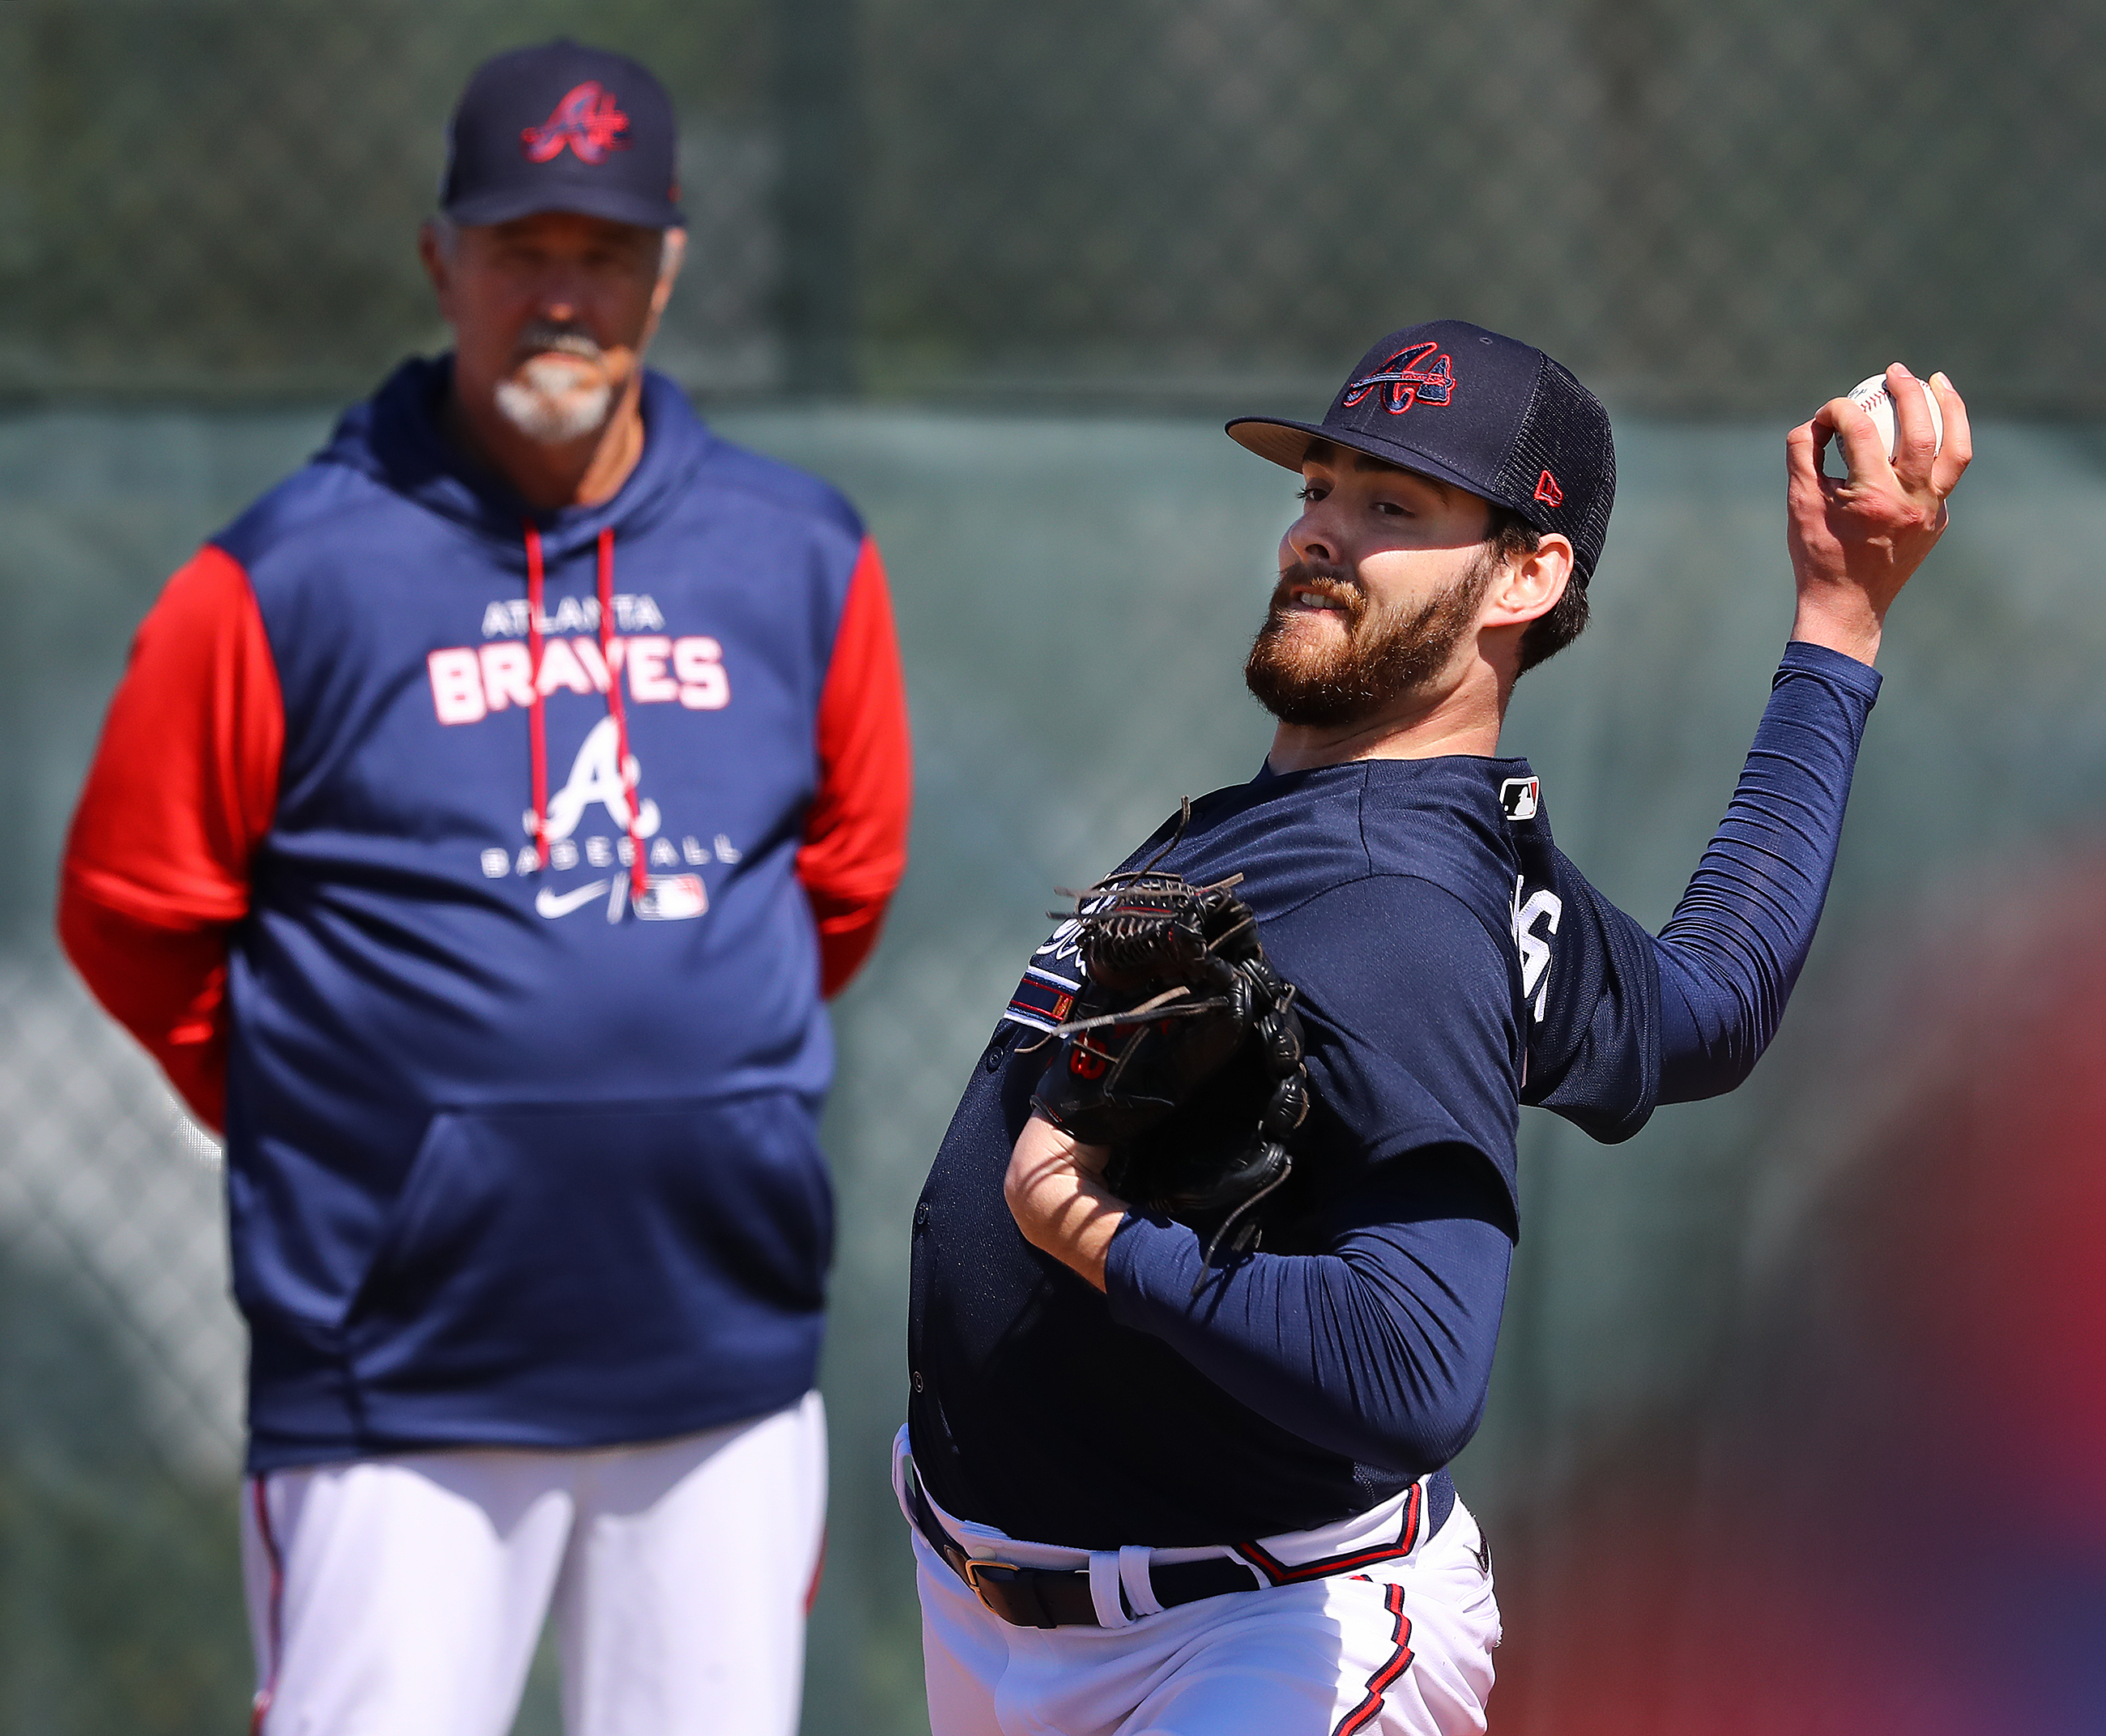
(1872, 396)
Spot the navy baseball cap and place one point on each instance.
(562, 127)
(1467, 406)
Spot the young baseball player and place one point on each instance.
(1157, 1490)
(481, 819)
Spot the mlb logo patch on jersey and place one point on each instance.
(672, 898)
(1519, 797)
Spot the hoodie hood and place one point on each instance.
(395, 438)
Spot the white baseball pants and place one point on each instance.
(404, 1595)
(1401, 1647)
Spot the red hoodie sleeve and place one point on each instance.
(181, 791)
(855, 836)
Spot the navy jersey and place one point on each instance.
(1451, 965)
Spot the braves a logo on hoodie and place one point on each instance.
(595, 778)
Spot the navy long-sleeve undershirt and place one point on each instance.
(1732, 952)
(1381, 1347)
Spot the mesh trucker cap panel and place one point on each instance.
(1559, 473)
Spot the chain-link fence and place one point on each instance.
(1129, 555)
(120, 1365)
(1698, 206)
(1059, 228)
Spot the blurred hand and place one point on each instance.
(1855, 540)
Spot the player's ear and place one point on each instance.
(1529, 585)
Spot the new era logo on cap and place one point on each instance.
(1513, 427)
(562, 126)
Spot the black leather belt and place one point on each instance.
(1046, 1597)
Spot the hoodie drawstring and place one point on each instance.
(639, 879)
(537, 735)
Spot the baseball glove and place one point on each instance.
(1183, 1054)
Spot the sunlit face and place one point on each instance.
(1380, 582)
(551, 314)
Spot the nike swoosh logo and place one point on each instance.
(549, 902)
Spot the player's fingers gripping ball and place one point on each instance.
(1183, 1056)
(1874, 396)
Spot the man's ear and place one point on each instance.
(672, 254)
(435, 250)
(1530, 583)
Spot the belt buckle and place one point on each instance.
(1006, 1593)
(975, 1567)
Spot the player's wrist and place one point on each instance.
(1855, 632)
(1074, 1224)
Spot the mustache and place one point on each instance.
(1335, 584)
(545, 337)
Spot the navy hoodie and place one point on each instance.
(517, 1008)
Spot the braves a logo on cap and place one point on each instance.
(1406, 381)
(586, 120)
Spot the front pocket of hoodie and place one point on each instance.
(566, 1257)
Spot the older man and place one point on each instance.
(481, 819)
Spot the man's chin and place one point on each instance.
(554, 418)
(1302, 690)
(1304, 711)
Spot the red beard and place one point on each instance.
(1388, 651)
